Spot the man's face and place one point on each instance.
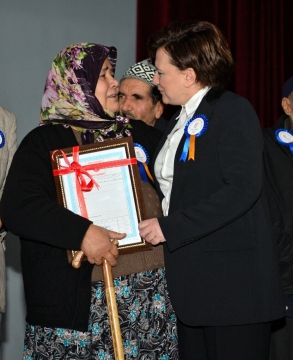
(136, 103)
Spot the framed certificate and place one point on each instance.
(101, 181)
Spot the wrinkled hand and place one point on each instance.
(97, 244)
(151, 231)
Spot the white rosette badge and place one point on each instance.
(195, 127)
(143, 160)
(285, 137)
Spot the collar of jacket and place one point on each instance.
(213, 95)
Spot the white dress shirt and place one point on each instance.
(164, 165)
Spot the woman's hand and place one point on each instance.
(97, 244)
(151, 231)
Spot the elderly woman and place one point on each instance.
(220, 259)
(66, 309)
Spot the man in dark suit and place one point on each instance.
(221, 262)
(278, 160)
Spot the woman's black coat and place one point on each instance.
(56, 294)
(221, 263)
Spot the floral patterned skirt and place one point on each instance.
(147, 321)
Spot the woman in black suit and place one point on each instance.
(220, 260)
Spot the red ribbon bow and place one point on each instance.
(81, 171)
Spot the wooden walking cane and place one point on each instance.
(111, 302)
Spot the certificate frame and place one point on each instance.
(129, 183)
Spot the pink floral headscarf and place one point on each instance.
(69, 98)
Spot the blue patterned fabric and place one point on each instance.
(147, 320)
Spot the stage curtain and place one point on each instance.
(258, 33)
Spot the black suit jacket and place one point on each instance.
(278, 161)
(220, 260)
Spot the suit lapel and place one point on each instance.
(284, 148)
(181, 168)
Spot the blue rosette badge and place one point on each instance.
(194, 128)
(2, 139)
(285, 137)
(143, 160)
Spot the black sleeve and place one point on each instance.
(29, 206)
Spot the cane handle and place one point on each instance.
(77, 259)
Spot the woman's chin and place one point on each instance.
(113, 105)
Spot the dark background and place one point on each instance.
(259, 33)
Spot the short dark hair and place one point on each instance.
(199, 45)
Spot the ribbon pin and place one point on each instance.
(143, 159)
(285, 137)
(194, 128)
